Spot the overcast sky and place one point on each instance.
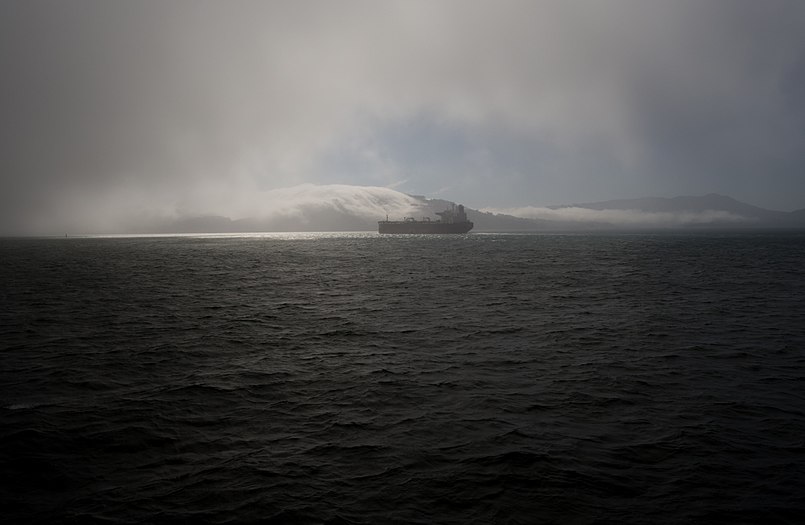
(113, 107)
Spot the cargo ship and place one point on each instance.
(452, 221)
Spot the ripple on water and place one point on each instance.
(366, 379)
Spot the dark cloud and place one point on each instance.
(118, 108)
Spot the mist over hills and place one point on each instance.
(358, 208)
(708, 211)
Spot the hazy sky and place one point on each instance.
(116, 108)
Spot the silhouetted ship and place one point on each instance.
(452, 221)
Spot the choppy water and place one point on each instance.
(404, 379)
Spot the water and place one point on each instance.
(354, 378)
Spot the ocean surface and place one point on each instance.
(358, 378)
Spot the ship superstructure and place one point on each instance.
(453, 220)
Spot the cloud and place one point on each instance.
(179, 105)
(281, 207)
(364, 202)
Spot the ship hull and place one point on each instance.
(420, 227)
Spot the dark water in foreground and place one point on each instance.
(366, 379)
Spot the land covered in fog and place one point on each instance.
(355, 208)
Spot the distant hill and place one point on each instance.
(357, 208)
(712, 201)
(307, 207)
(713, 210)
(336, 208)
